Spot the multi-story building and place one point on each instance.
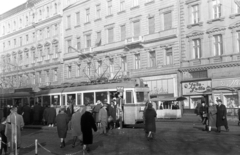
(30, 49)
(133, 38)
(210, 52)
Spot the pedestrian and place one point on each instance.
(87, 124)
(3, 145)
(6, 111)
(14, 126)
(112, 114)
(62, 120)
(103, 118)
(197, 111)
(70, 110)
(51, 116)
(150, 124)
(221, 116)
(26, 113)
(204, 114)
(37, 114)
(96, 113)
(212, 116)
(119, 115)
(76, 125)
(45, 115)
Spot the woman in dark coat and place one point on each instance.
(221, 116)
(87, 124)
(26, 114)
(150, 124)
(204, 113)
(37, 113)
(212, 116)
(62, 120)
(113, 113)
(51, 116)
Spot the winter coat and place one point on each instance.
(103, 116)
(150, 124)
(51, 115)
(26, 114)
(6, 111)
(212, 116)
(76, 122)
(37, 109)
(113, 112)
(87, 124)
(96, 112)
(221, 115)
(62, 120)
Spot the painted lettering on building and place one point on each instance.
(197, 87)
(226, 82)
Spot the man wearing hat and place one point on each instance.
(221, 116)
(87, 124)
(103, 118)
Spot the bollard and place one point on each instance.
(0, 143)
(36, 147)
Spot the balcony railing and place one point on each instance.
(132, 40)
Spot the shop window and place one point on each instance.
(199, 74)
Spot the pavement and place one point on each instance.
(173, 137)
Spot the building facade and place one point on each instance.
(124, 38)
(210, 52)
(30, 49)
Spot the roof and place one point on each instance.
(19, 8)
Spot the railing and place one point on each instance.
(134, 40)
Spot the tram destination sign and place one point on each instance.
(120, 89)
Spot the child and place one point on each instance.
(2, 135)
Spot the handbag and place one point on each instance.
(204, 115)
(110, 119)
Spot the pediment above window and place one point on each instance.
(216, 30)
(39, 46)
(235, 25)
(8, 55)
(14, 53)
(194, 34)
(20, 51)
(33, 48)
(55, 41)
(26, 49)
(47, 44)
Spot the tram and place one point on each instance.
(134, 94)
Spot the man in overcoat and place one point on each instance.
(26, 113)
(103, 118)
(221, 116)
(51, 116)
(87, 124)
(37, 113)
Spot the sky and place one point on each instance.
(6, 5)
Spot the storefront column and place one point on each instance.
(50, 99)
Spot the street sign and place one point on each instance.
(120, 88)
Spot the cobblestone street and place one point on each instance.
(182, 137)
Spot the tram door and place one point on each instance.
(129, 108)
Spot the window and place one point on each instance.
(40, 34)
(69, 71)
(48, 32)
(196, 48)
(40, 14)
(77, 18)
(109, 11)
(3, 30)
(47, 11)
(218, 45)
(135, 3)
(88, 69)
(9, 43)
(26, 38)
(27, 56)
(20, 23)
(33, 78)
(78, 43)
(55, 7)
(122, 5)
(136, 28)
(87, 15)
(47, 52)
(123, 32)
(39, 77)
(151, 25)
(137, 61)
(124, 63)
(69, 44)
(99, 40)
(195, 14)
(68, 22)
(26, 20)
(88, 40)
(111, 65)
(47, 76)
(33, 35)
(152, 58)
(78, 72)
(56, 29)
(167, 20)
(216, 9)
(55, 75)
(99, 67)
(20, 58)
(110, 35)
(3, 45)
(56, 48)
(15, 42)
(20, 41)
(15, 25)
(98, 11)
(169, 56)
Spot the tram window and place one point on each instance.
(55, 99)
(101, 96)
(71, 98)
(88, 98)
(79, 99)
(140, 96)
(129, 97)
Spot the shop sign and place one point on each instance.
(197, 87)
(120, 89)
(231, 82)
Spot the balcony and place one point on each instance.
(134, 40)
(161, 35)
(87, 50)
(223, 59)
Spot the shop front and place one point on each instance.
(228, 90)
(195, 92)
